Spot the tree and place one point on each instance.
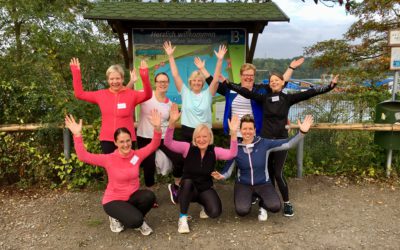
(362, 54)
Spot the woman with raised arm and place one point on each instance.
(200, 157)
(196, 102)
(276, 105)
(117, 103)
(122, 200)
(252, 163)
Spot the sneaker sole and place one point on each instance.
(184, 232)
(288, 215)
(171, 196)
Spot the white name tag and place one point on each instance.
(134, 159)
(275, 98)
(121, 105)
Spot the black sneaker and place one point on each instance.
(254, 199)
(173, 192)
(288, 209)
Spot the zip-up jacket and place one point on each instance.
(117, 109)
(252, 159)
(276, 107)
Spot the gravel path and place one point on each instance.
(330, 213)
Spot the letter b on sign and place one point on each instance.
(235, 36)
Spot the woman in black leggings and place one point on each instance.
(276, 105)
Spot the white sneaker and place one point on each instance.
(262, 214)
(203, 214)
(183, 226)
(115, 225)
(145, 229)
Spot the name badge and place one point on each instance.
(275, 98)
(134, 159)
(121, 105)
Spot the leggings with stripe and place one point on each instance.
(276, 161)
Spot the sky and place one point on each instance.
(309, 24)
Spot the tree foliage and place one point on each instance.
(362, 54)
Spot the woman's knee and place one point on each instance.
(242, 210)
(133, 221)
(214, 212)
(273, 207)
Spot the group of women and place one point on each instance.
(255, 118)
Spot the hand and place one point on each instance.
(305, 126)
(334, 80)
(296, 63)
(221, 79)
(133, 75)
(221, 52)
(169, 50)
(234, 123)
(200, 64)
(143, 64)
(216, 175)
(75, 62)
(75, 128)
(156, 119)
(174, 114)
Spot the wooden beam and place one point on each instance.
(118, 27)
(250, 55)
(130, 50)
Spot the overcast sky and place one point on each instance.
(309, 23)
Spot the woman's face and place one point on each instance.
(203, 139)
(123, 143)
(196, 84)
(247, 79)
(248, 131)
(115, 81)
(162, 84)
(276, 84)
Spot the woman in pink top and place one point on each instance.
(117, 103)
(122, 200)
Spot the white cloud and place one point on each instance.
(309, 24)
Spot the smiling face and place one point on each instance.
(276, 83)
(123, 143)
(248, 131)
(202, 137)
(196, 84)
(247, 79)
(115, 80)
(162, 83)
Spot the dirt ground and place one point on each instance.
(330, 213)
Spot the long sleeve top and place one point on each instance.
(122, 171)
(252, 159)
(117, 109)
(195, 167)
(276, 107)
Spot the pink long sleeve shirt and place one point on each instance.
(117, 109)
(122, 171)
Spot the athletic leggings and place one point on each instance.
(187, 133)
(269, 199)
(209, 199)
(131, 212)
(149, 164)
(107, 147)
(276, 161)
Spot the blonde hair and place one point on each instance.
(196, 74)
(247, 66)
(198, 129)
(115, 68)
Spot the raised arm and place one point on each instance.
(222, 89)
(259, 97)
(220, 57)
(81, 152)
(176, 146)
(169, 50)
(292, 67)
(142, 96)
(225, 154)
(301, 96)
(133, 79)
(79, 93)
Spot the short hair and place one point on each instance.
(161, 73)
(247, 118)
(279, 75)
(197, 130)
(120, 131)
(115, 68)
(247, 66)
(196, 74)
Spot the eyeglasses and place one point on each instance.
(246, 75)
(162, 82)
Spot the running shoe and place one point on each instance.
(173, 192)
(203, 214)
(288, 209)
(183, 226)
(145, 229)
(262, 214)
(115, 225)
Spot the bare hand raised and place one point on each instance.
(305, 126)
(174, 114)
(155, 119)
(221, 52)
(296, 63)
(169, 50)
(75, 128)
(75, 62)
